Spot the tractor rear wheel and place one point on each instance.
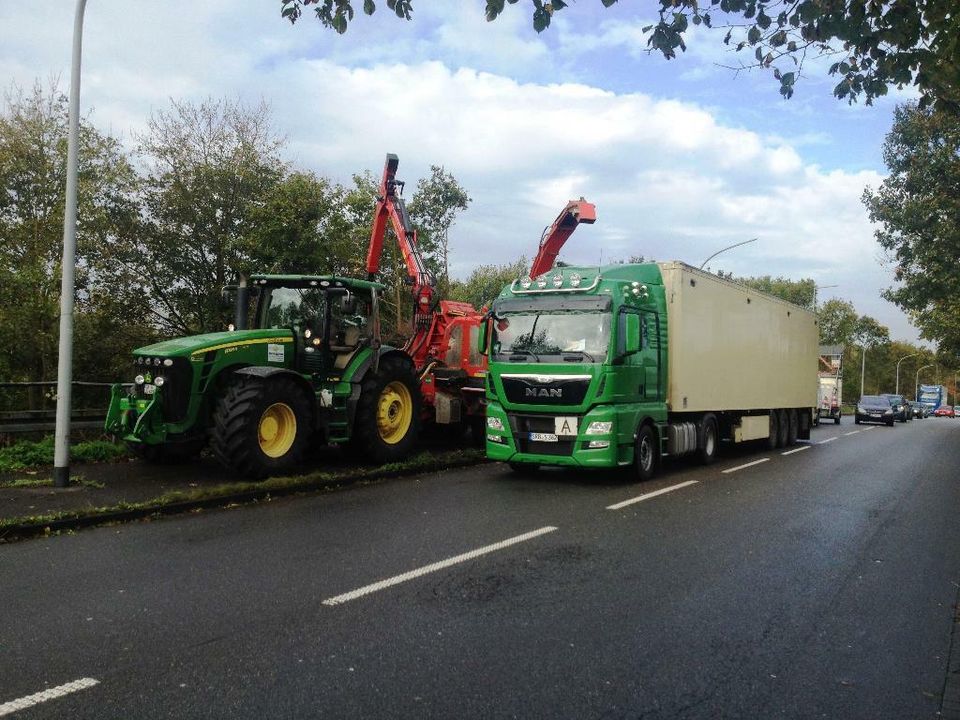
(387, 423)
(261, 426)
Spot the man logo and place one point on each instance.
(543, 392)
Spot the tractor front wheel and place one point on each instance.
(387, 422)
(261, 426)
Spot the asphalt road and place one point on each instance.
(820, 583)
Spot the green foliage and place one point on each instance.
(486, 281)
(918, 213)
(880, 44)
(434, 209)
(799, 292)
(28, 454)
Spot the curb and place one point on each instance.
(24, 531)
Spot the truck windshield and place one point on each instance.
(552, 335)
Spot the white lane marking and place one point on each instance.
(647, 496)
(824, 442)
(749, 464)
(396, 580)
(869, 428)
(791, 452)
(853, 432)
(50, 694)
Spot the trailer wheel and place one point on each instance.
(261, 426)
(708, 440)
(387, 423)
(645, 453)
(836, 420)
(793, 427)
(774, 430)
(783, 427)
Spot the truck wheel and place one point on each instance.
(645, 453)
(260, 427)
(524, 468)
(793, 427)
(783, 427)
(387, 423)
(774, 430)
(708, 440)
(836, 420)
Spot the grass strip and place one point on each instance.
(33, 454)
(179, 501)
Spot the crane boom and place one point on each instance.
(554, 237)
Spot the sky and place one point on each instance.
(682, 158)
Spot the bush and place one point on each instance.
(27, 454)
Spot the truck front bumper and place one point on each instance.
(509, 439)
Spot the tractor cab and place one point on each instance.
(331, 318)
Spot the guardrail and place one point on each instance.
(21, 421)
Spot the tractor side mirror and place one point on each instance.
(348, 304)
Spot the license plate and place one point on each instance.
(149, 389)
(544, 437)
(874, 414)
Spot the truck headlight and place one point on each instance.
(600, 427)
(494, 423)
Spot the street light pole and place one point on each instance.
(897, 391)
(61, 457)
(728, 247)
(819, 287)
(863, 366)
(916, 381)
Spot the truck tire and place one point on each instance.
(525, 468)
(774, 430)
(836, 420)
(645, 453)
(793, 427)
(387, 422)
(783, 428)
(261, 426)
(708, 439)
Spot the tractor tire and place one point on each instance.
(261, 426)
(386, 427)
(170, 453)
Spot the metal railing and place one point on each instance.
(44, 419)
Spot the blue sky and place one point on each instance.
(681, 158)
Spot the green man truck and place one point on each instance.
(310, 369)
(628, 364)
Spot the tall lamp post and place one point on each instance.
(728, 247)
(897, 391)
(61, 455)
(916, 381)
(819, 287)
(863, 366)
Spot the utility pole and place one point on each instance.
(61, 457)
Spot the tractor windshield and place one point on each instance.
(294, 307)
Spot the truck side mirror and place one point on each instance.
(482, 336)
(631, 334)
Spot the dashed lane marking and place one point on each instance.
(647, 496)
(824, 442)
(23, 703)
(852, 432)
(796, 450)
(396, 580)
(749, 464)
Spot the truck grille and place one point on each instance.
(546, 390)
(523, 425)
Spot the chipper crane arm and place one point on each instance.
(554, 237)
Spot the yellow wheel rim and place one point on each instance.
(277, 430)
(394, 412)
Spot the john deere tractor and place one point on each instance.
(310, 370)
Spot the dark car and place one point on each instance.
(901, 410)
(919, 409)
(874, 408)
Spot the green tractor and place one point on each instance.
(310, 370)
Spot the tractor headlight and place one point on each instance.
(494, 423)
(139, 380)
(600, 427)
(159, 380)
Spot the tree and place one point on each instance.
(210, 166)
(434, 208)
(838, 320)
(918, 210)
(486, 281)
(877, 43)
(33, 148)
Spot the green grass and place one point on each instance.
(29, 455)
(78, 480)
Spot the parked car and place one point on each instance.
(944, 411)
(901, 410)
(875, 408)
(919, 409)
